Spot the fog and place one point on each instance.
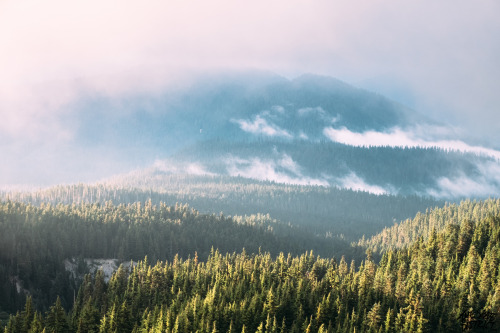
(444, 54)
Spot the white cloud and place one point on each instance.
(485, 183)
(287, 163)
(167, 166)
(198, 170)
(269, 170)
(463, 186)
(354, 182)
(260, 126)
(397, 137)
(276, 112)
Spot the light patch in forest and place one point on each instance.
(318, 112)
(260, 126)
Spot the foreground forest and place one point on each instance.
(444, 277)
(35, 241)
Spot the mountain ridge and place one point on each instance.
(218, 116)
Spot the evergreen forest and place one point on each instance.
(185, 271)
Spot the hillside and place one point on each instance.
(379, 170)
(427, 223)
(322, 210)
(296, 170)
(449, 283)
(35, 242)
(218, 105)
(311, 130)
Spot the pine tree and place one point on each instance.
(88, 321)
(421, 325)
(56, 321)
(283, 326)
(27, 314)
(214, 327)
(322, 329)
(37, 324)
(389, 319)
(374, 317)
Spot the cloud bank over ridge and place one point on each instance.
(280, 170)
(397, 137)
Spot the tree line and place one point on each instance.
(339, 212)
(35, 241)
(447, 283)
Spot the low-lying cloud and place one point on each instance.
(397, 137)
(195, 169)
(354, 182)
(282, 170)
(483, 184)
(447, 65)
(260, 126)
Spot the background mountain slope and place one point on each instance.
(311, 130)
(214, 103)
(327, 211)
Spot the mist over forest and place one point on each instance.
(249, 167)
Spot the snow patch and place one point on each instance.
(108, 266)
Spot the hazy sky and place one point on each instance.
(446, 52)
(440, 56)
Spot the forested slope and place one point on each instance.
(437, 219)
(331, 210)
(34, 241)
(396, 170)
(448, 283)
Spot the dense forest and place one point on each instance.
(340, 212)
(423, 224)
(35, 241)
(398, 170)
(447, 283)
